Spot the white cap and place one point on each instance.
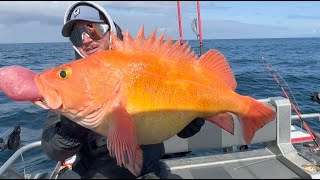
(88, 11)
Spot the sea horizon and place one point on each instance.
(204, 39)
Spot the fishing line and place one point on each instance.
(287, 86)
(293, 106)
(24, 163)
(289, 90)
(300, 125)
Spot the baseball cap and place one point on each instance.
(82, 12)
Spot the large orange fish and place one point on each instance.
(142, 91)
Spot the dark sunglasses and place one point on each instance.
(95, 31)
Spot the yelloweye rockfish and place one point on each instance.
(142, 91)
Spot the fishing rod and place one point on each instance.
(200, 28)
(180, 23)
(293, 106)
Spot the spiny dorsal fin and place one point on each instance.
(128, 45)
(153, 46)
(217, 63)
(140, 39)
(150, 41)
(212, 60)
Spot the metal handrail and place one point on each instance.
(311, 115)
(17, 154)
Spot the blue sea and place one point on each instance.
(297, 60)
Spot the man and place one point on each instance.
(88, 27)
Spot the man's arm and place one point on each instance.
(61, 137)
(192, 128)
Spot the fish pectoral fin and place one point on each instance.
(122, 141)
(224, 120)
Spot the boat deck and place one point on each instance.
(255, 164)
(250, 164)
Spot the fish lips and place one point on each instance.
(51, 98)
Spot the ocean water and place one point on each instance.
(297, 60)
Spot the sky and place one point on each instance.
(42, 21)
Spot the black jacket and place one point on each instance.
(62, 138)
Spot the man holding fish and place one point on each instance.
(88, 27)
(137, 94)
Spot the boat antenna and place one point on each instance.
(200, 28)
(272, 71)
(180, 23)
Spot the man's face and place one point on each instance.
(91, 41)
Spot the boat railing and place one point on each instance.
(7, 165)
(306, 116)
(310, 116)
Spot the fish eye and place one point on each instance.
(64, 73)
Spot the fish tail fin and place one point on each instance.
(257, 116)
(224, 120)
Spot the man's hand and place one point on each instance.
(192, 128)
(315, 97)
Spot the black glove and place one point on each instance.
(192, 128)
(315, 97)
(73, 129)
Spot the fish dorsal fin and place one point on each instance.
(212, 60)
(218, 64)
(153, 46)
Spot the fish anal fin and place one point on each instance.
(224, 120)
(217, 63)
(257, 116)
(122, 142)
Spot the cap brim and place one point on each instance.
(67, 28)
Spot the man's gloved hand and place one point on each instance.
(315, 97)
(192, 128)
(73, 129)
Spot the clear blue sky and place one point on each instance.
(33, 21)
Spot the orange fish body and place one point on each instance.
(144, 91)
(163, 99)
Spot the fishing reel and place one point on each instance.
(10, 139)
(315, 97)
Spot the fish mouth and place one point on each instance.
(50, 97)
(42, 103)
